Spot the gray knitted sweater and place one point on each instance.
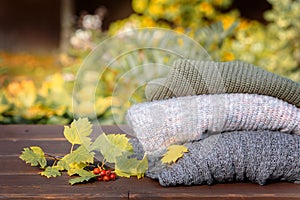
(159, 124)
(190, 77)
(257, 156)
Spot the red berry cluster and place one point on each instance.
(104, 175)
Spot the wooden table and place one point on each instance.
(21, 181)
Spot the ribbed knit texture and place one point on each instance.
(159, 124)
(190, 77)
(260, 156)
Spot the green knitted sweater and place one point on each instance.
(191, 77)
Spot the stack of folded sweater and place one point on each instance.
(239, 122)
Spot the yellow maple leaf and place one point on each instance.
(174, 153)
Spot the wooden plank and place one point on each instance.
(13, 138)
(148, 190)
(12, 165)
(138, 189)
(38, 187)
(29, 131)
(9, 147)
(51, 131)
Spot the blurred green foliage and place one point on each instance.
(274, 46)
(221, 30)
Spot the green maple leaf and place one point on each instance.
(75, 167)
(126, 167)
(174, 153)
(84, 176)
(53, 171)
(35, 156)
(63, 164)
(78, 132)
(112, 146)
(80, 179)
(80, 155)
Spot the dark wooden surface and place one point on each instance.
(21, 181)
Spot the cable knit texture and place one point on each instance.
(259, 156)
(159, 124)
(191, 77)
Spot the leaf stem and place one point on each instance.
(53, 157)
(103, 163)
(54, 163)
(72, 147)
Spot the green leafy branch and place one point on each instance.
(115, 149)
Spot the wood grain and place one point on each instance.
(21, 181)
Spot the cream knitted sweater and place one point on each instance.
(159, 124)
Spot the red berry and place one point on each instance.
(106, 178)
(113, 176)
(96, 170)
(103, 172)
(99, 178)
(108, 172)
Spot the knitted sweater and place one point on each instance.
(159, 124)
(258, 156)
(190, 77)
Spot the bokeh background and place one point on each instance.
(43, 44)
